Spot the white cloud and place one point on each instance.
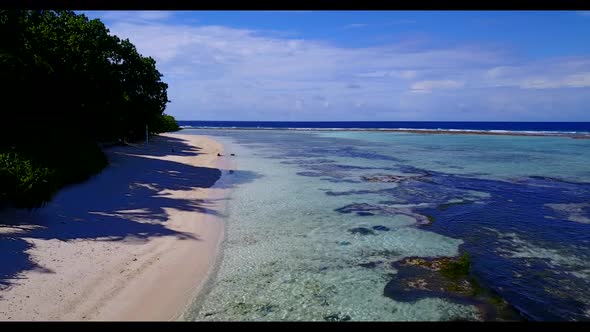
(581, 80)
(498, 72)
(406, 74)
(154, 15)
(538, 83)
(427, 86)
(219, 72)
(138, 16)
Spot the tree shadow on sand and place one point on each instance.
(125, 202)
(174, 147)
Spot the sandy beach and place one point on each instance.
(135, 242)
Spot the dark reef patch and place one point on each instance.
(364, 214)
(310, 174)
(333, 180)
(362, 231)
(307, 161)
(449, 278)
(430, 219)
(434, 191)
(370, 265)
(364, 208)
(336, 167)
(556, 179)
(353, 192)
(388, 178)
(337, 317)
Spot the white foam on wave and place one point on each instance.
(402, 129)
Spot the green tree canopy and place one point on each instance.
(69, 85)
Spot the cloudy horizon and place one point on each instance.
(366, 66)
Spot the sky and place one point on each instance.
(366, 65)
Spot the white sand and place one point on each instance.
(135, 242)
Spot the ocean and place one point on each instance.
(543, 127)
(331, 225)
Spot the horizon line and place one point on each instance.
(387, 121)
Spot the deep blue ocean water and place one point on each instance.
(569, 127)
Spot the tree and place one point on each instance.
(72, 84)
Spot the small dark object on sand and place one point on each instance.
(219, 155)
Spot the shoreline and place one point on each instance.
(417, 131)
(206, 284)
(136, 242)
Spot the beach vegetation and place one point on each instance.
(25, 182)
(70, 85)
(166, 123)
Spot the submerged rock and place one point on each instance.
(364, 214)
(338, 180)
(370, 265)
(363, 209)
(310, 174)
(267, 308)
(438, 263)
(387, 178)
(308, 161)
(361, 231)
(381, 228)
(430, 219)
(337, 317)
(449, 278)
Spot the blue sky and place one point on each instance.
(367, 65)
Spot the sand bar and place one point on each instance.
(135, 242)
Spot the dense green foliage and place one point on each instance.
(165, 123)
(69, 85)
(24, 182)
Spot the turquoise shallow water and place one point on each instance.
(290, 254)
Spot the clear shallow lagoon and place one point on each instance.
(290, 254)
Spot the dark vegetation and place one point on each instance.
(69, 86)
(450, 278)
(456, 269)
